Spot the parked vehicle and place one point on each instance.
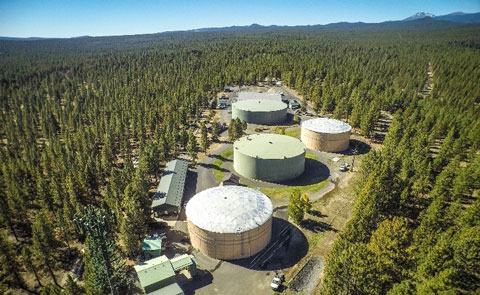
(293, 104)
(277, 281)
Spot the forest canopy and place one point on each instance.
(76, 114)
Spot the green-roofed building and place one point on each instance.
(155, 274)
(172, 289)
(184, 261)
(169, 195)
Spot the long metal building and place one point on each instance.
(169, 195)
(229, 222)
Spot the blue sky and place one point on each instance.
(65, 18)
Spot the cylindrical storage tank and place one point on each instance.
(262, 112)
(326, 135)
(269, 157)
(229, 222)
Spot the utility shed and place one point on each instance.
(169, 195)
(184, 261)
(155, 274)
(152, 246)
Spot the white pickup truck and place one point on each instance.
(277, 282)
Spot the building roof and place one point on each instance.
(172, 183)
(326, 125)
(229, 209)
(269, 146)
(172, 289)
(256, 105)
(154, 270)
(152, 244)
(248, 95)
(230, 177)
(182, 262)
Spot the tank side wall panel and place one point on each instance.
(230, 246)
(261, 118)
(266, 169)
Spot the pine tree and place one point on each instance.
(44, 244)
(27, 260)
(204, 142)
(232, 130)
(296, 207)
(389, 245)
(132, 222)
(72, 288)
(10, 267)
(215, 131)
(192, 147)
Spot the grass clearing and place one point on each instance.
(293, 133)
(278, 193)
(217, 164)
(272, 192)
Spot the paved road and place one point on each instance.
(205, 177)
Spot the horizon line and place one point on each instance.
(224, 27)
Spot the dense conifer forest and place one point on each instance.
(91, 121)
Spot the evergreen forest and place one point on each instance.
(90, 122)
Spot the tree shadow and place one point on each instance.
(316, 226)
(287, 247)
(356, 147)
(211, 166)
(223, 159)
(317, 213)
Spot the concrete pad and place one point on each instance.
(181, 226)
(236, 280)
(205, 262)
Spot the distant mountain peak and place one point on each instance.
(457, 13)
(420, 15)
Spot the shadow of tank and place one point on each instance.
(287, 247)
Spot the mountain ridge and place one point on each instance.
(455, 17)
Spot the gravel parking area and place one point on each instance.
(306, 279)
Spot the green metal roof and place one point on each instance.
(154, 270)
(172, 183)
(172, 289)
(152, 244)
(265, 105)
(269, 146)
(182, 261)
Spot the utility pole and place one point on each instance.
(95, 224)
